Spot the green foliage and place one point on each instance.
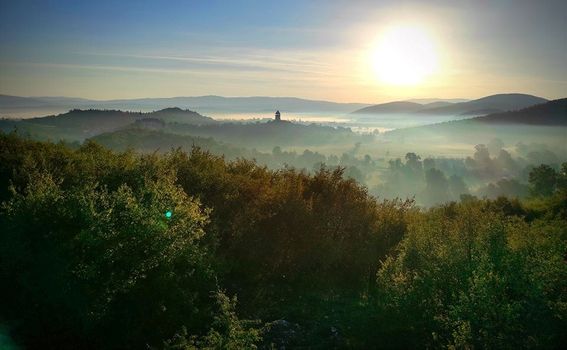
(281, 230)
(227, 332)
(91, 260)
(87, 258)
(543, 180)
(91, 252)
(469, 277)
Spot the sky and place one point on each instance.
(346, 51)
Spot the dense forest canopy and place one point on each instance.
(256, 257)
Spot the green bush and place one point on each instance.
(87, 260)
(468, 277)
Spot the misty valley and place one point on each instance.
(265, 232)
(434, 160)
(280, 175)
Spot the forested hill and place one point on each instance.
(493, 103)
(485, 105)
(544, 121)
(150, 141)
(272, 133)
(550, 113)
(176, 114)
(97, 118)
(79, 124)
(261, 135)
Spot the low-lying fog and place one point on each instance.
(358, 123)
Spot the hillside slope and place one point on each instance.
(488, 104)
(550, 113)
(80, 124)
(390, 107)
(543, 123)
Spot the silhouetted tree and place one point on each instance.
(543, 180)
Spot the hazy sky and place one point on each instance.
(311, 49)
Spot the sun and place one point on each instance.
(404, 55)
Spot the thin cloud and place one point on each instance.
(240, 74)
(262, 61)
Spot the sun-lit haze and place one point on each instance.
(348, 51)
(404, 55)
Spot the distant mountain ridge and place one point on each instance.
(492, 103)
(7, 101)
(546, 119)
(15, 105)
(391, 107)
(429, 101)
(551, 113)
(481, 106)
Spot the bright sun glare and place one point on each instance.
(404, 55)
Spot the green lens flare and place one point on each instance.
(168, 214)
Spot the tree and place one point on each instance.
(542, 180)
(562, 178)
(413, 162)
(468, 277)
(227, 331)
(85, 259)
(483, 164)
(437, 187)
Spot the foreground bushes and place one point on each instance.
(88, 261)
(469, 277)
(92, 261)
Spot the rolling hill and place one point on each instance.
(428, 101)
(543, 123)
(16, 107)
(266, 135)
(552, 113)
(482, 106)
(80, 124)
(488, 104)
(8, 102)
(391, 108)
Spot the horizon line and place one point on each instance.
(283, 97)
